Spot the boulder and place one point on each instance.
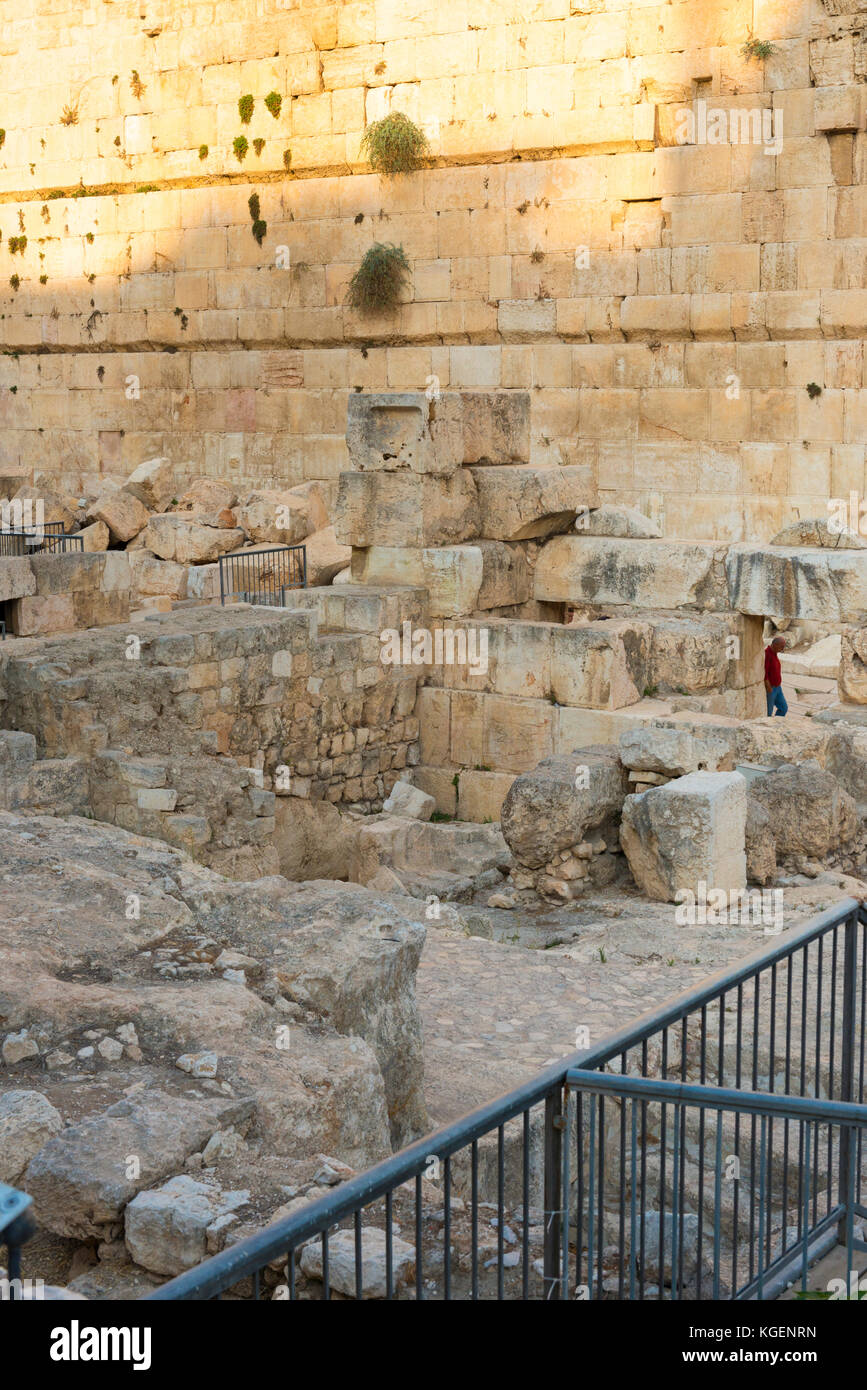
(810, 812)
(621, 522)
(153, 483)
(152, 576)
(166, 1229)
(819, 533)
(282, 517)
(341, 1261)
(560, 802)
(600, 665)
(407, 800)
(27, 1121)
(325, 557)
(687, 832)
(81, 1179)
(676, 751)
(527, 503)
(123, 514)
(187, 541)
(206, 497)
(760, 846)
(95, 537)
(406, 509)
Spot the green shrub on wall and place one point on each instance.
(394, 145)
(378, 283)
(245, 108)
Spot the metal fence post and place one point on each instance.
(847, 1065)
(554, 1122)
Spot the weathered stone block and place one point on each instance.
(690, 831)
(644, 574)
(525, 503)
(559, 802)
(173, 537)
(600, 666)
(404, 431)
(827, 585)
(124, 514)
(406, 509)
(153, 483)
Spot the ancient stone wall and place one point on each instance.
(667, 304)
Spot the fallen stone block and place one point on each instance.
(786, 582)
(644, 574)
(600, 666)
(173, 537)
(677, 751)
(622, 522)
(123, 513)
(460, 579)
(406, 800)
(153, 483)
(810, 813)
(527, 503)
(406, 509)
(560, 802)
(206, 497)
(17, 579)
(817, 532)
(95, 537)
(405, 430)
(150, 575)
(282, 516)
(852, 675)
(690, 831)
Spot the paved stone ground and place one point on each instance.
(495, 1013)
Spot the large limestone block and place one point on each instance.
(207, 497)
(677, 750)
(44, 614)
(460, 579)
(600, 665)
(123, 514)
(173, 537)
(644, 574)
(153, 483)
(404, 430)
(17, 579)
(525, 503)
(781, 582)
(95, 537)
(406, 509)
(852, 676)
(151, 576)
(53, 507)
(818, 533)
(623, 522)
(326, 557)
(560, 801)
(282, 516)
(761, 850)
(810, 812)
(690, 831)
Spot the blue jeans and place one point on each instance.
(776, 701)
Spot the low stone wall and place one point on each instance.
(62, 593)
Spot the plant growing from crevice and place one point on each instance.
(274, 103)
(759, 49)
(203, 152)
(394, 145)
(17, 245)
(260, 226)
(245, 108)
(813, 389)
(287, 159)
(136, 86)
(378, 283)
(258, 146)
(15, 281)
(2, 138)
(240, 146)
(69, 114)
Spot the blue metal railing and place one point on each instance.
(776, 1041)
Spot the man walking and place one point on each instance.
(774, 678)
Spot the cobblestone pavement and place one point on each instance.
(494, 1013)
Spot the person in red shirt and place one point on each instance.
(774, 677)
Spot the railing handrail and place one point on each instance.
(259, 1249)
(793, 1107)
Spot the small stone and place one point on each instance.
(127, 1034)
(198, 1063)
(84, 1052)
(110, 1049)
(18, 1046)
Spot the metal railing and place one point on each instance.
(763, 1064)
(262, 576)
(49, 538)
